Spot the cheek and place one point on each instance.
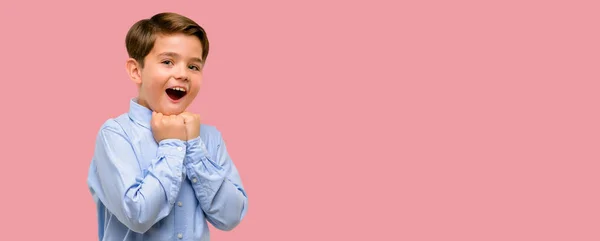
(151, 88)
(197, 82)
(195, 89)
(153, 84)
(194, 94)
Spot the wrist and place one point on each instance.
(193, 141)
(172, 147)
(195, 150)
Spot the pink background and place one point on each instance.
(348, 120)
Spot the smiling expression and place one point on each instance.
(172, 74)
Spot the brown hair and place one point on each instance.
(141, 36)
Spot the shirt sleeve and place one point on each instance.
(137, 197)
(217, 184)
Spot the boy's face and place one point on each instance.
(172, 74)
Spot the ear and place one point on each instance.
(134, 71)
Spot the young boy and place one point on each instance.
(156, 172)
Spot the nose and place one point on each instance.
(181, 73)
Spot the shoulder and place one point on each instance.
(114, 125)
(210, 135)
(209, 130)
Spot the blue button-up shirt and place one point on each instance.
(162, 191)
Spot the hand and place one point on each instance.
(192, 124)
(167, 127)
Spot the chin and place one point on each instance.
(171, 110)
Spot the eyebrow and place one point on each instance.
(175, 55)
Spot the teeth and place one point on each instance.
(179, 89)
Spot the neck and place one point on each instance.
(142, 102)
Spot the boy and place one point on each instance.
(156, 172)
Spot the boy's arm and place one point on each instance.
(217, 184)
(138, 198)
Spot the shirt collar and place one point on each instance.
(139, 114)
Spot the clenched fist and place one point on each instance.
(192, 124)
(167, 127)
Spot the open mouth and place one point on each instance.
(176, 93)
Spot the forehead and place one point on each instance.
(184, 45)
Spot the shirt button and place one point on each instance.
(180, 236)
(194, 180)
(180, 148)
(179, 204)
